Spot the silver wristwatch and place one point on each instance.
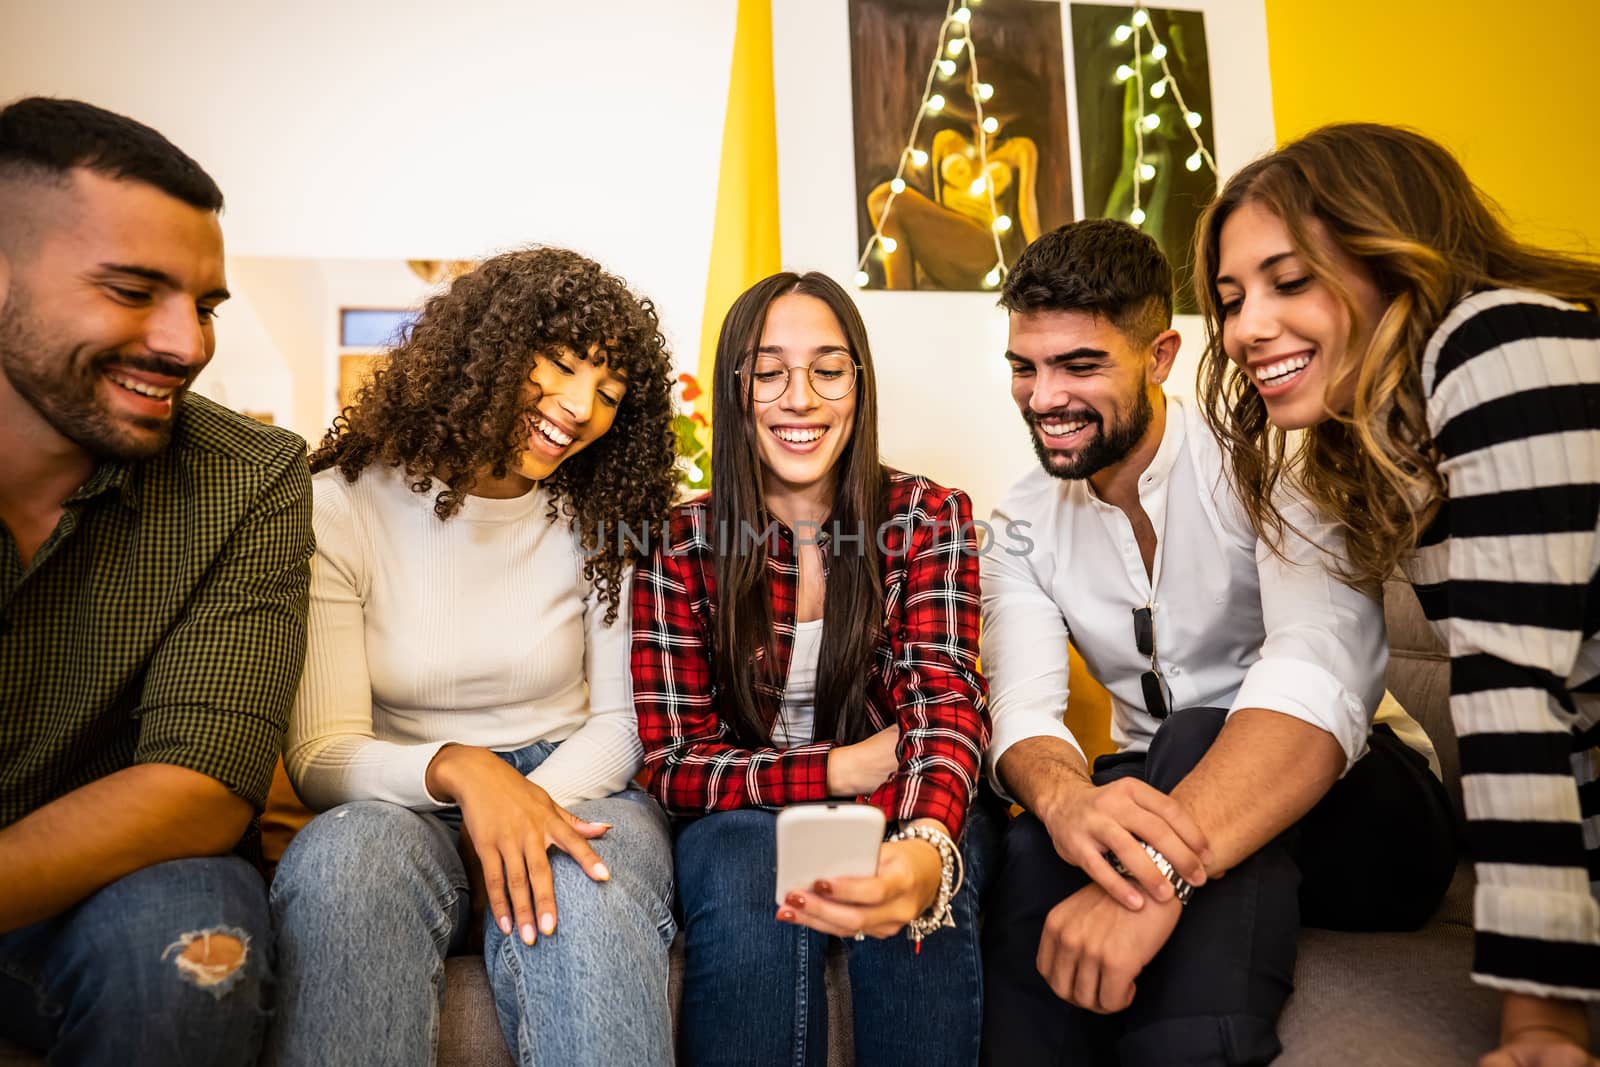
(1180, 887)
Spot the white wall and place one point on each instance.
(398, 129)
(944, 386)
(284, 319)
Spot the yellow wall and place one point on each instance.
(1507, 86)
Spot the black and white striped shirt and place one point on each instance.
(1507, 572)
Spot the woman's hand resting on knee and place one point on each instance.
(511, 825)
(905, 886)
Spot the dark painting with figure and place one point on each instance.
(1160, 60)
(962, 147)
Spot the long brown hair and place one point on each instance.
(445, 406)
(1402, 207)
(853, 603)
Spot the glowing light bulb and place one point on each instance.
(963, 15)
(992, 279)
(936, 102)
(1141, 17)
(978, 186)
(1159, 89)
(1152, 120)
(1159, 52)
(1193, 162)
(956, 45)
(1137, 216)
(1124, 72)
(1193, 119)
(919, 157)
(985, 91)
(898, 186)
(1002, 224)
(1122, 33)
(947, 67)
(862, 278)
(889, 244)
(1147, 171)
(991, 124)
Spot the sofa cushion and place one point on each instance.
(1419, 677)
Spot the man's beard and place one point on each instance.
(61, 384)
(1107, 447)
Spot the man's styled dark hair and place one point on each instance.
(1102, 266)
(44, 139)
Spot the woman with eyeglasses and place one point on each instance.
(809, 631)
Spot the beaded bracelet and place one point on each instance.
(952, 873)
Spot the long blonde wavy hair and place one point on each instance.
(1402, 207)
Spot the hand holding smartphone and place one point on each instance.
(833, 840)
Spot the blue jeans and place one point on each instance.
(753, 986)
(371, 897)
(146, 971)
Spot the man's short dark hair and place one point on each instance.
(1102, 266)
(45, 138)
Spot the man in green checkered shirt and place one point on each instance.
(153, 572)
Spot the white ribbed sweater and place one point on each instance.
(478, 629)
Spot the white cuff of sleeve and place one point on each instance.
(1312, 694)
(405, 777)
(1010, 728)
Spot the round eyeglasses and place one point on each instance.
(831, 377)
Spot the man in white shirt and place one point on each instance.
(1243, 690)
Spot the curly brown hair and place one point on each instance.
(446, 405)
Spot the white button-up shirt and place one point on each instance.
(1235, 625)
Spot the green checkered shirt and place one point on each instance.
(164, 620)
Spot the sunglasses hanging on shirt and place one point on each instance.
(1154, 686)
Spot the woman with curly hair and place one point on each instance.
(831, 655)
(465, 701)
(1446, 378)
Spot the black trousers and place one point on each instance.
(1376, 853)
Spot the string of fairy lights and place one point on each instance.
(956, 38)
(1148, 121)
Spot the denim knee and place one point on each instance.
(727, 857)
(172, 960)
(366, 863)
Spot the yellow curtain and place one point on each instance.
(744, 241)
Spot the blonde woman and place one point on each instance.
(1356, 286)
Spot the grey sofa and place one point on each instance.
(1375, 999)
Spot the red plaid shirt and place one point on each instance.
(925, 678)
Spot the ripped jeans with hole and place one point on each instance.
(169, 965)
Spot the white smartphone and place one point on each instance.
(832, 840)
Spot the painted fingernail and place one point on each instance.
(823, 887)
(795, 900)
(505, 925)
(602, 872)
(785, 915)
(527, 933)
(547, 924)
